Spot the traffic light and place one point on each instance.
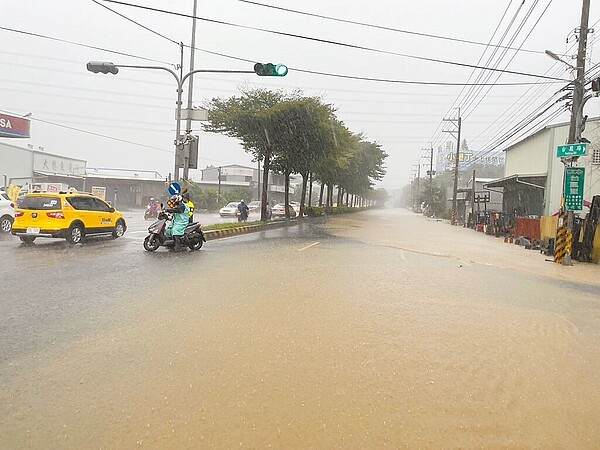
(102, 67)
(270, 70)
(596, 84)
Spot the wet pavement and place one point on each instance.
(373, 330)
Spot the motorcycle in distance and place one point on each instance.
(242, 216)
(151, 211)
(193, 237)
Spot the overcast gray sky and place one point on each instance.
(49, 78)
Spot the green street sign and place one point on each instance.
(574, 177)
(566, 151)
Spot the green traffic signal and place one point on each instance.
(270, 70)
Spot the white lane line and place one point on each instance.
(308, 246)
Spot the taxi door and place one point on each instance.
(105, 216)
(84, 209)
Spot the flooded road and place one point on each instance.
(377, 330)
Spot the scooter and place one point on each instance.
(193, 237)
(242, 216)
(150, 213)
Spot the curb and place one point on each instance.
(211, 235)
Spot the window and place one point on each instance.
(100, 205)
(596, 154)
(4, 196)
(39, 202)
(82, 203)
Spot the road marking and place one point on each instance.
(308, 246)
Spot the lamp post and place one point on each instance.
(109, 67)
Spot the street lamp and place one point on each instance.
(109, 67)
(554, 56)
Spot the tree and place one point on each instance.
(250, 119)
(304, 139)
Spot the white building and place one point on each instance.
(533, 174)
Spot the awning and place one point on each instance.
(537, 181)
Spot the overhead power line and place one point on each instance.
(296, 69)
(381, 27)
(79, 44)
(327, 41)
(91, 133)
(136, 23)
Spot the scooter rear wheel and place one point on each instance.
(151, 243)
(196, 245)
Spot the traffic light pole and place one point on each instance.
(180, 80)
(188, 130)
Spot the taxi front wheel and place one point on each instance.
(119, 229)
(75, 235)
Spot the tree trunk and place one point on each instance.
(330, 194)
(287, 196)
(321, 194)
(310, 191)
(265, 185)
(347, 198)
(303, 197)
(340, 196)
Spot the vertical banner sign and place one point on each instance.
(574, 177)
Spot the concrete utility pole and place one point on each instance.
(576, 124)
(474, 188)
(431, 180)
(458, 123)
(219, 194)
(186, 163)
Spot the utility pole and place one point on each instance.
(431, 180)
(430, 175)
(418, 192)
(474, 188)
(219, 194)
(576, 124)
(186, 163)
(458, 124)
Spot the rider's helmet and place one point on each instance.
(185, 196)
(151, 199)
(242, 201)
(174, 201)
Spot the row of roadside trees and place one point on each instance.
(295, 134)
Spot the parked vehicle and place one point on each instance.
(254, 206)
(193, 237)
(278, 211)
(229, 210)
(7, 213)
(296, 206)
(67, 215)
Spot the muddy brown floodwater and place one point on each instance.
(354, 342)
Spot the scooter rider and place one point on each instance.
(189, 203)
(181, 214)
(243, 209)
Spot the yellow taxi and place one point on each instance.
(68, 215)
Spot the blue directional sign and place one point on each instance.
(174, 188)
